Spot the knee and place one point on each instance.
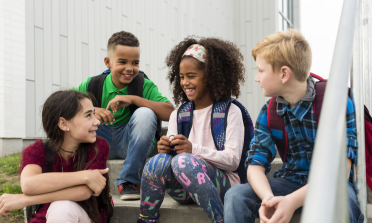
(158, 165)
(182, 160)
(145, 115)
(234, 195)
(59, 210)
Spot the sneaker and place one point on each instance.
(128, 191)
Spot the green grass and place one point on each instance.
(10, 164)
(9, 181)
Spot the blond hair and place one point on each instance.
(288, 48)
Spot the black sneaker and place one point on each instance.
(128, 191)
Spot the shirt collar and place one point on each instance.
(111, 87)
(302, 106)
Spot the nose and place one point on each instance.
(257, 78)
(96, 122)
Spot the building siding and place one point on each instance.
(66, 40)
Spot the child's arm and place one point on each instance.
(162, 109)
(10, 202)
(282, 207)
(34, 182)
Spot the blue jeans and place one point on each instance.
(242, 203)
(132, 141)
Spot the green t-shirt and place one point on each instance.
(109, 91)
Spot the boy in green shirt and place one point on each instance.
(130, 136)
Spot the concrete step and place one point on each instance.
(170, 211)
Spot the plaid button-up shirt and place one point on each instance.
(301, 127)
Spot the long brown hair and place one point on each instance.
(67, 104)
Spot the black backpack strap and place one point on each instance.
(136, 88)
(95, 87)
(49, 158)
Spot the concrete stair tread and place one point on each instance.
(170, 211)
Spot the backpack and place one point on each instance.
(368, 141)
(219, 114)
(50, 155)
(275, 123)
(135, 87)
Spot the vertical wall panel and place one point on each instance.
(64, 63)
(78, 43)
(63, 17)
(91, 39)
(84, 21)
(55, 44)
(30, 41)
(97, 38)
(39, 78)
(48, 76)
(38, 7)
(30, 114)
(71, 42)
(85, 61)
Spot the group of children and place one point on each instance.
(67, 173)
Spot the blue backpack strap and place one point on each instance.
(184, 118)
(219, 113)
(248, 136)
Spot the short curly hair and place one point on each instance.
(224, 68)
(122, 38)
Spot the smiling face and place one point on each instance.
(270, 81)
(124, 64)
(193, 83)
(84, 125)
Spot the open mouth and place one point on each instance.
(127, 76)
(189, 91)
(93, 132)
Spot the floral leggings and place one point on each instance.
(187, 179)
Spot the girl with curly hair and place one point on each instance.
(65, 177)
(193, 170)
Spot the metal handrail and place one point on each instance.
(327, 197)
(360, 64)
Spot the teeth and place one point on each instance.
(189, 90)
(127, 75)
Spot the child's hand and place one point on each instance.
(278, 209)
(95, 180)
(164, 145)
(104, 114)
(181, 144)
(10, 202)
(120, 101)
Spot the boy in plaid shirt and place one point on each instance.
(283, 61)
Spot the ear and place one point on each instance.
(62, 124)
(107, 62)
(285, 74)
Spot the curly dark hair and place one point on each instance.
(122, 38)
(223, 67)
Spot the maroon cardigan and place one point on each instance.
(35, 154)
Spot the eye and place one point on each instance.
(136, 63)
(122, 62)
(88, 115)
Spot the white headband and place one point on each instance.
(197, 51)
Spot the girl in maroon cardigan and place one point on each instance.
(76, 189)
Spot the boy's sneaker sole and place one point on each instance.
(125, 197)
(129, 191)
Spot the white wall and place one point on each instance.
(66, 40)
(12, 69)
